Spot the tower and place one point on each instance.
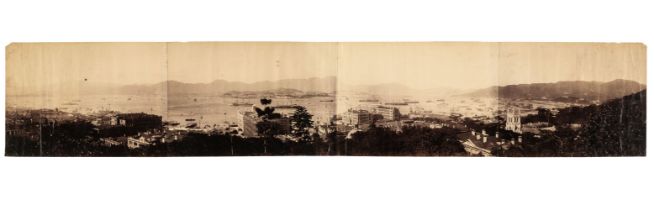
(513, 121)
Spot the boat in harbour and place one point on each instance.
(397, 103)
(369, 100)
(242, 104)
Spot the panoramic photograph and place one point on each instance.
(477, 99)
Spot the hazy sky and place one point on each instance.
(477, 65)
(63, 67)
(551, 62)
(419, 65)
(198, 62)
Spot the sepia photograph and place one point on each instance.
(480, 99)
(325, 105)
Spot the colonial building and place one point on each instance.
(248, 120)
(106, 120)
(139, 120)
(137, 142)
(480, 142)
(513, 121)
(359, 118)
(388, 113)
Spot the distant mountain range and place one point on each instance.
(282, 92)
(220, 87)
(565, 91)
(307, 86)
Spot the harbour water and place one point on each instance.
(207, 110)
(218, 110)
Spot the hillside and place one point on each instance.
(616, 128)
(565, 91)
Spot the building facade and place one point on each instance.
(248, 122)
(357, 117)
(513, 121)
(388, 113)
(139, 120)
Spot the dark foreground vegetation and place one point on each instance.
(375, 142)
(614, 128)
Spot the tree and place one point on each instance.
(266, 127)
(301, 122)
(543, 115)
(267, 113)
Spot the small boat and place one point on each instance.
(369, 100)
(191, 125)
(241, 104)
(397, 103)
(172, 123)
(410, 101)
(287, 106)
(329, 100)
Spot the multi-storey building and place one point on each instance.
(388, 113)
(248, 120)
(359, 118)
